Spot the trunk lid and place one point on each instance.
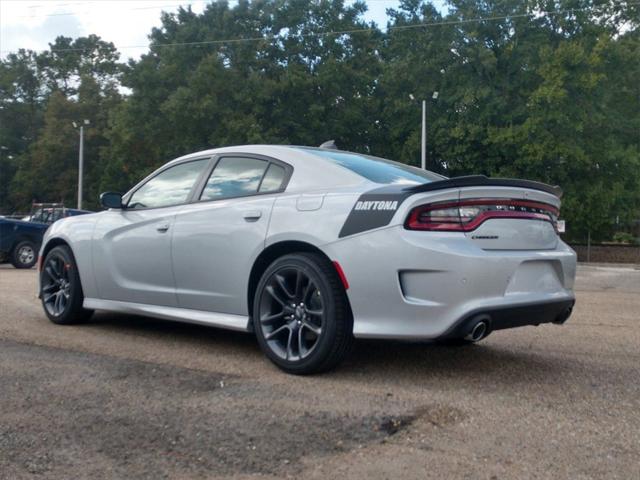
(516, 233)
(495, 214)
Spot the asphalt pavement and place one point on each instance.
(132, 397)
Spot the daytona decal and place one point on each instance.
(388, 205)
(374, 209)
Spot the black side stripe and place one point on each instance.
(374, 209)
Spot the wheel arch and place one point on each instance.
(52, 243)
(271, 253)
(49, 245)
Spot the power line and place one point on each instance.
(186, 3)
(354, 31)
(88, 6)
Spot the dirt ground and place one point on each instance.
(130, 397)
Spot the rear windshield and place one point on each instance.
(378, 170)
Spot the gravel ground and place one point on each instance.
(130, 397)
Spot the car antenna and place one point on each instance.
(329, 144)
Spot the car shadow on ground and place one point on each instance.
(166, 330)
(396, 361)
(470, 362)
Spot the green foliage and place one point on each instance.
(548, 97)
(625, 237)
(553, 98)
(41, 95)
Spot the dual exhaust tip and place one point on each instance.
(481, 327)
(560, 319)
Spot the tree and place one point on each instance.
(298, 86)
(42, 94)
(545, 89)
(528, 96)
(21, 95)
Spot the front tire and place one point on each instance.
(24, 255)
(301, 314)
(60, 289)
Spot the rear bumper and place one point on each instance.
(503, 317)
(416, 285)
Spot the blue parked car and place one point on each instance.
(20, 239)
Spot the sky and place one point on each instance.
(32, 24)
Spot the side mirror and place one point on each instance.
(111, 200)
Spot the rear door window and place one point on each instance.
(234, 177)
(273, 179)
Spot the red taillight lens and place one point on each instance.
(467, 215)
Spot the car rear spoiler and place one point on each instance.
(483, 181)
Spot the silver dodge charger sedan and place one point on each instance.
(311, 247)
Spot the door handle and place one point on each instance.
(163, 228)
(252, 215)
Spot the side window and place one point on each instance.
(170, 187)
(273, 179)
(234, 177)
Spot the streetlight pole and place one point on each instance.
(423, 156)
(423, 147)
(81, 161)
(80, 167)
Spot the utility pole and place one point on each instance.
(423, 156)
(80, 167)
(80, 161)
(423, 147)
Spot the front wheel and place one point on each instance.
(60, 288)
(24, 255)
(301, 314)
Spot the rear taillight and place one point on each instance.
(467, 215)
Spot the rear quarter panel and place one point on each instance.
(313, 217)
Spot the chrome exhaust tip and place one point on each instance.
(564, 316)
(478, 332)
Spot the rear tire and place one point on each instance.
(301, 314)
(24, 254)
(60, 288)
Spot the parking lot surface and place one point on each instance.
(131, 397)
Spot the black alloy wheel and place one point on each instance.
(60, 288)
(292, 313)
(301, 314)
(56, 288)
